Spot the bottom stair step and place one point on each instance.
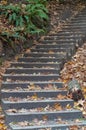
(57, 124)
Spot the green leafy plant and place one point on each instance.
(24, 19)
(13, 14)
(37, 17)
(31, 17)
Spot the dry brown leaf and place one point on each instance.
(60, 97)
(2, 127)
(57, 107)
(45, 117)
(51, 52)
(74, 127)
(34, 97)
(28, 51)
(1, 117)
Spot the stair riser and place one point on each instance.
(78, 22)
(81, 15)
(44, 55)
(62, 41)
(69, 51)
(79, 18)
(34, 104)
(63, 37)
(32, 78)
(54, 65)
(39, 94)
(54, 60)
(67, 33)
(37, 104)
(43, 60)
(75, 29)
(60, 36)
(31, 71)
(46, 50)
(74, 26)
(25, 85)
(79, 42)
(51, 116)
(56, 45)
(83, 22)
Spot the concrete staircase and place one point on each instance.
(32, 97)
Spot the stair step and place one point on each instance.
(33, 104)
(31, 70)
(51, 45)
(20, 78)
(78, 23)
(70, 50)
(69, 114)
(37, 65)
(39, 93)
(63, 36)
(39, 103)
(75, 29)
(58, 55)
(79, 18)
(51, 125)
(74, 26)
(25, 85)
(81, 15)
(63, 40)
(54, 50)
(55, 39)
(36, 104)
(43, 59)
(68, 33)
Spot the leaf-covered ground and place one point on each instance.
(76, 69)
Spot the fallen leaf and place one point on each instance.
(57, 107)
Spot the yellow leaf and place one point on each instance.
(57, 107)
(68, 106)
